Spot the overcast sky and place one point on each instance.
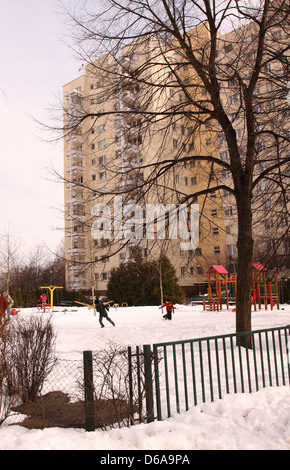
(34, 66)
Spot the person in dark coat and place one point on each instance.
(103, 311)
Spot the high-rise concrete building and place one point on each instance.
(114, 149)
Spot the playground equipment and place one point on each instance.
(264, 291)
(51, 289)
(222, 289)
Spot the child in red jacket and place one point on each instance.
(169, 309)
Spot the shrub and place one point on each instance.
(32, 355)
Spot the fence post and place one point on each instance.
(148, 383)
(89, 391)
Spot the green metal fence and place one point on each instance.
(186, 373)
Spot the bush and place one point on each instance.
(31, 355)
(7, 399)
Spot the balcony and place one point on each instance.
(75, 171)
(76, 251)
(75, 139)
(75, 155)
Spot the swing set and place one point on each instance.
(51, 291)
(223, 289)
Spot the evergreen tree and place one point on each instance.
(138, 282)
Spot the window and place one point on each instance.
(101, 144)
(233, 99)
(257, 109)
(198, 252)
(101, 128)
(229, 229)
(264, 185)
(101, 98)
(199, 270)
(216, 250)
(228, 211)
(228, 48)
(277, 35)
(221, 138)
(214, 212)
(193, 180)
(224, 156)
(272, 104)
(105, 276)
(268, 224)
(215, 231)
(284, 222)
(103, 175)
(102, 160)
(175, 143)
(183, 270)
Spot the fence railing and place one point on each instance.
(140, 384)
(189, 372)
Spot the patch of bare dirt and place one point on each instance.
(55, 410)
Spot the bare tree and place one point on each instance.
(204, 67)
(11, 257)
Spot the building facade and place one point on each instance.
(115, 150)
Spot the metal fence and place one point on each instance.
(189, 372)
(124, 386)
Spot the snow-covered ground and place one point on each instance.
(260, 420)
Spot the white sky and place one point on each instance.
(34, 66)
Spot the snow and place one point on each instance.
(256, 421)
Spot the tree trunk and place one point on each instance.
(245, 258)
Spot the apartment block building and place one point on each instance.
(111, 159)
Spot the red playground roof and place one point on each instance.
(218, 268)
(258, 266)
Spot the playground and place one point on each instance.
(250, 421)
(222, 289)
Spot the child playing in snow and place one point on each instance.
(169, 309)
(102, 309)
